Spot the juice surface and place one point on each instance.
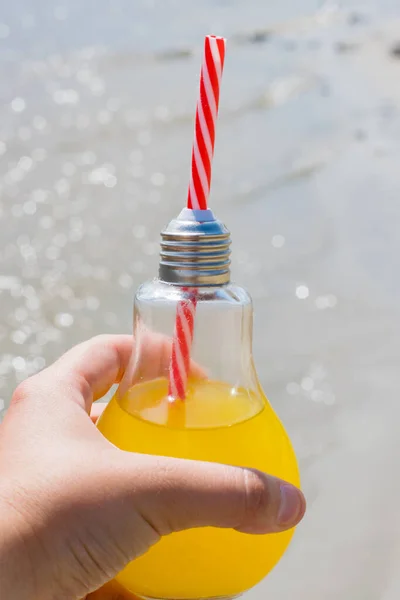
(218, 424)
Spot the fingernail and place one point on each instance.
(291, 506)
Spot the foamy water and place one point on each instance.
(96, 122)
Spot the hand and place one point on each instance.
(74, 510)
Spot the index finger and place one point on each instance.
(83, 374)
(86, 372)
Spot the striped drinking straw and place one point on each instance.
(199, 189)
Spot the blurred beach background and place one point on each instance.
(97, 105)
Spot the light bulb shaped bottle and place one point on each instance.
(224, 417)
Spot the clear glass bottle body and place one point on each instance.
(225, 417)
(221, 348)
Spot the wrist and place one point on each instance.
(18, 574)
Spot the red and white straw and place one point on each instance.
(181, 346)
(199, 189)
(206, 118)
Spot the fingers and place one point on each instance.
(178, 494)
(96, 410)
(153, 354)
(95, 365)
(83, 374)
(87, 371)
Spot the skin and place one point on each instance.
(74, 510)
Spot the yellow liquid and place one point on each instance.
(214, 424)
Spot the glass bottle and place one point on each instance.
(225, 416)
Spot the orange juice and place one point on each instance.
(215, 423)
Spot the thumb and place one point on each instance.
(176, 494)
